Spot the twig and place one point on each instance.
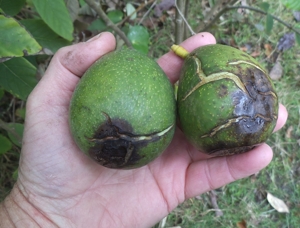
(142, 6)
(145, 14)
(107, 21)
(213, 199)
(187, 31)
(265, 13)
(216, 14)
(180, 18)
(217, 10)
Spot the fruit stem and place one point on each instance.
(180, 51)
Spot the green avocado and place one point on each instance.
(123, 110)
(226, 103)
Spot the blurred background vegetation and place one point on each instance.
(31, 31)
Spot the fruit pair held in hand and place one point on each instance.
(122, 112)
(226, 101)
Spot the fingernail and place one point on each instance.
(94, 38)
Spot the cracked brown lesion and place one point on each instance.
(232, 121)
(268, 93)
(226, 125)
(204, 79)
(248, 63)
(116, 146)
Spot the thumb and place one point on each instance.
(67, 65)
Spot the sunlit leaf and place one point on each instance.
(17, 136)
(56, 16)
(15, 40)
(277, 204)
(17, 76)
(139, 37)
(130, 10)
(292, 4)
(11, 7)
(44, 35)
(5, 144)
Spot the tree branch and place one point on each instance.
(214, 15)
(217, 10)
(142, 6)
(179, 23)
(107, 21)
(264, 13)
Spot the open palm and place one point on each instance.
(71, 190)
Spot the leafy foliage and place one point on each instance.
(5, 144)
(44, 35)
(60, 21)
(139, 37)
(15, 40)
(292, 4)
(11, 7)
(18, 80)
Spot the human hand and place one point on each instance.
(60, 186)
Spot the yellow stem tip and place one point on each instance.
(180, 51)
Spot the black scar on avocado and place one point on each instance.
(115, 146)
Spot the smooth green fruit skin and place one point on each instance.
(127, 91)
(247, 116)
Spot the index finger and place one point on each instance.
(171, 63)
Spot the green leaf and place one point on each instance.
(44, 35)
(139, 37)
(115, 16)
(5, 144)
(15, 40)
(17, 76)
(99, 25)
(56, 16)
(11, 7)
(130, 9)
(292, 4)
(17, 137)
(269, 24)
(264, 6)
